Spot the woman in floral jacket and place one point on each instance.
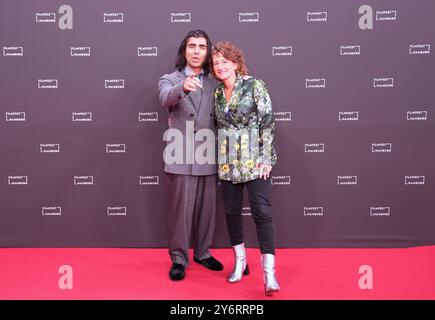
(246, 154)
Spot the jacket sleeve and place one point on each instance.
(169, 93)
(266, 123)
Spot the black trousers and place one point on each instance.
(259, 192)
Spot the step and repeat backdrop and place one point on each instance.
(81, 136)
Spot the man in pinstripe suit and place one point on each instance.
(188, 96)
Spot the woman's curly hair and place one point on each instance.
(230, 52)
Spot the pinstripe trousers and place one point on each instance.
(192, 212)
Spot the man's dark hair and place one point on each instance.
(181, 62)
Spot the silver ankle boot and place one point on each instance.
(240, 264)
(270, 283)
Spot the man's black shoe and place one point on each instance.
(176, 272)
(210, 263)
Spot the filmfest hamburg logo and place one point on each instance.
(419, 49)
(386, 15)
(115, 148)
(181, 17)
(80, 51)
(379, 211)
(148, 180)
(350, 50)
(45, 17)
(314, 147)
(416, 115)
(317, 16)
(47, 83)
(81, 116)
(348, 116)
(282, 116)
(246, 211)
(315, 83)
(148, 116)
(381, 147)
(13, 51)
(64, 20)
(49, 148)
(249, 16)
(366, 20)
(18, 180)
(51, 211)
(414, 180)
(114, 84)
(113, 17)
(345, 180)
(383, 82)
(15, 116)
(82, 180)
(280, 180)
(282, 51)
(313, 211)
(147, 51)
(116, 211)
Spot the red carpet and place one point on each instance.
(143, 274)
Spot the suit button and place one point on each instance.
(194, 131)
(211, 114)
(191, 114)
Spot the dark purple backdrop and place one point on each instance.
(356, 155)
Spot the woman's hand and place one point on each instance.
(264, 170)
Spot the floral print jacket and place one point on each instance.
(246, 130)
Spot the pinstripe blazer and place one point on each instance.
(181, 108)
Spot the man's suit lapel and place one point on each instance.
(196, 98)
(206, 90)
